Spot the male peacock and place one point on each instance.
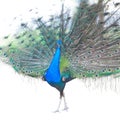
(88, 45)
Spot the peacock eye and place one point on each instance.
(37, 73)
(84, 57)
(18, 65)
(103, 70)
(89, 52)
(9, 45)
(30, 36)
(117, 68)
(23, 25)
(84, 75)
(5, 54)
(102, 50)
(22, 41)
(116, 51)
(17, 37)
(109, 70)
(96, 75)
(118, 43)
(6, 37)
(33, 39)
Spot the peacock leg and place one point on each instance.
(59, 104)
(65, 103)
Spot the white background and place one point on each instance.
(23, 98)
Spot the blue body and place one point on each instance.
(52, 75)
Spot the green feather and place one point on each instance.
(90, 43)
(64, 63)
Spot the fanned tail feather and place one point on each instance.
(95, 41)
(90, 42)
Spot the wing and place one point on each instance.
(94, 41)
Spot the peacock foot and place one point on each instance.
(65, 108)
(56, 111)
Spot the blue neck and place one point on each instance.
(52, 75)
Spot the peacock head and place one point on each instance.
(59, 43)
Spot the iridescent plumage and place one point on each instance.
(90, 45)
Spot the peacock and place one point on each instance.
(85, 44)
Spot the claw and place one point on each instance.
(65, 109)
(56, 111)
